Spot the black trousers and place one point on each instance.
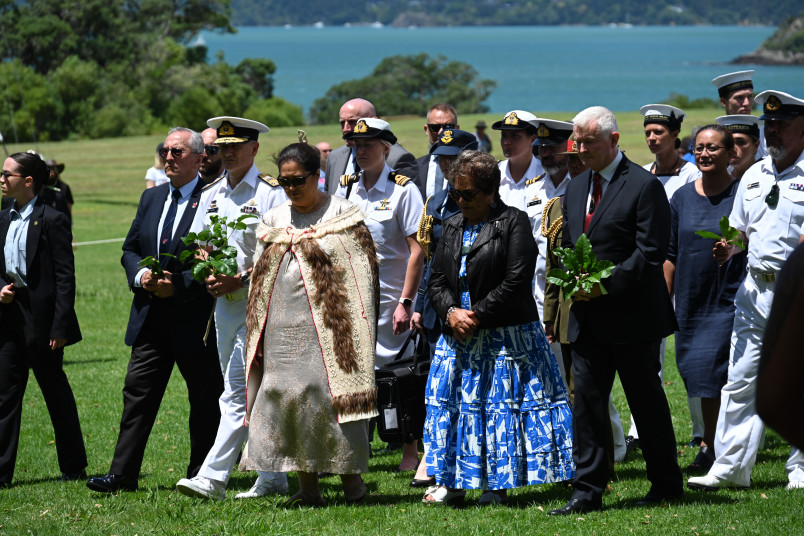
(16, 357)
(594, 365)
(162, 342)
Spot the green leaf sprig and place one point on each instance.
(728, 234)
(583, 270)
(222, 258)
(153, 264)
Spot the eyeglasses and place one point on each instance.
(772, 199)
(175, 151)
(435, 128)
(711, 148)
(6, 174)
(211, 150)
(297, 182)
(456, 195)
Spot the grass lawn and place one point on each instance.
(106, 177)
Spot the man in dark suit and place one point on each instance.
(168, 319)
(624, 211)
(429, 178)
(341, 160)
(37, 314)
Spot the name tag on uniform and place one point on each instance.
(212, 209)
(535, 202)
(799, 187)
(249, 210)
(752, 185)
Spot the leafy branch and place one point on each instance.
(583, 270)
(729, 234)
(212, 253)
(153, 264)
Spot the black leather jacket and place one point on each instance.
(500, 268)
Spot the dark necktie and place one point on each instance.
(597, 192)
(167, 226)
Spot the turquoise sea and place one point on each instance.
(537, 68)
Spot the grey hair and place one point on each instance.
(604, 118)
(196, 142)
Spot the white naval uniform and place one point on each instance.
(252, 195)
(689, 172)
(392, 213)
(772, 234)
(512, 193)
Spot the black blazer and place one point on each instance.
(420, 180)
(631, 228)
(50, 267)
(190, 299)
(500, 267)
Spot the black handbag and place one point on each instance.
(400, 392)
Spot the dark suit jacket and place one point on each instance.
(51, 277)
(420, 180)
(398, 159)
(631, 228)
(191, 301)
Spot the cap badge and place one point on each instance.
(543, 131)
(512, 119)
(574, 146)
(446, 137)
(773, 104)
(226, 129)
(361, 127)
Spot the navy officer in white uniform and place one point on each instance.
(243, 190)
(769, 213)
(516, 137)
(736, 92)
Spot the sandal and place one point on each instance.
(444, 495)
(490, 497)
(303, 499)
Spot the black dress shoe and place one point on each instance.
(656, 499)
(422, 482)
(111, 483)
(69, 477)
(577, 506)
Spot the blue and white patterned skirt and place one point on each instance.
(498, 415)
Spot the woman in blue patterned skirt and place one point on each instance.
(497, 410)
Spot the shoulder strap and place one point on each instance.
(535, 179)
(211, 184)
(267, 179)
(401, 180)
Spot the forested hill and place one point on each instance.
(509, 12)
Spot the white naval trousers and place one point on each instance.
(739, 428)
(230, 328)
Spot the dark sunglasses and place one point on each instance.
(467, 195)
(435, 127)
(285, 182)
(211, 150)
(175, 151)
(772, 199)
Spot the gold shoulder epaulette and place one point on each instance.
(346, 179)
(270, 181)
(401, 180)
(211, 184)
(535, 179)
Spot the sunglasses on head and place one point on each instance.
(435, 127)
(211, 150)
(285, 182)
(175, 151)
(467, 195)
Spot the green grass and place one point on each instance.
(106, 177)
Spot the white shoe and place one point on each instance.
(711, 483)
(795, 484)
(201, 486)
(265, 484)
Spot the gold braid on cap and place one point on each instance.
(302, 136)
(424, 236)
(555, 227)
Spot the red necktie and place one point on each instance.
(597, 192)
